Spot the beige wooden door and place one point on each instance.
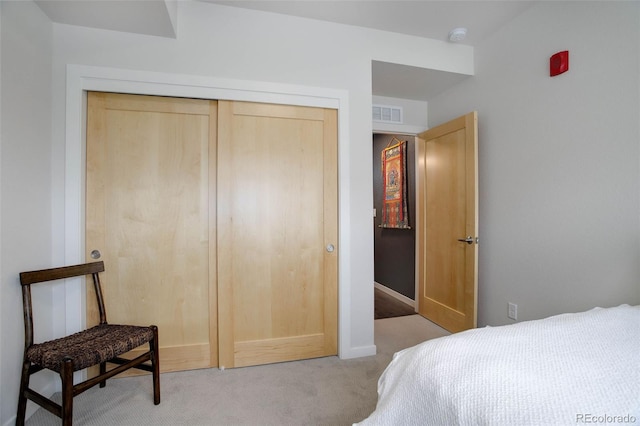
(448, 223)
(277, 214)
(150, 200)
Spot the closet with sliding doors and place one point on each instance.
(217, 222)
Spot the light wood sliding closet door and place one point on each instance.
(151, 214)
(277, 233)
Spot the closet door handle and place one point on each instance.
(330, 248)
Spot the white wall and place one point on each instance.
(25, 176)
(1, 278)
(213, 42)
(559, 160)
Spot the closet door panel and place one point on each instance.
(277, 213)
(149, 212)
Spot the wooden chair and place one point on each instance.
(97, 345)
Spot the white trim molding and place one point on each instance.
(399, 296)
(81, 79)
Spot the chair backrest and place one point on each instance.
(44, 275)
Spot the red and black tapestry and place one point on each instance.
(394, 180)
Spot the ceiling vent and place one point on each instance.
(387, 114)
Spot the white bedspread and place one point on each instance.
(568, 369)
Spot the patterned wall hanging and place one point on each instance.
(394, 179)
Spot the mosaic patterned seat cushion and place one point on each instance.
(90, 347)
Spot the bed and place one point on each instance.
(579, 368)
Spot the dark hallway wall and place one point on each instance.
(394, 249)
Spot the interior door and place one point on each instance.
(277, 233)
(448, 223)
(150, 197)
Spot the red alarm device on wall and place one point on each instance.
(559, 63)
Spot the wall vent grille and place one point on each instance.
(387, 114)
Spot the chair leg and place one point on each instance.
(103, 369)
(22, 398)
(66, 374)
(155, 363)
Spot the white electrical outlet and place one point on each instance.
(513, 311)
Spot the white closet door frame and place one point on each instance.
(81, 79)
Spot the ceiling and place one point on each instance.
(150, 17)
(423, 18)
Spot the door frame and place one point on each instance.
(412, 137)
(419, 206)
(80, 79)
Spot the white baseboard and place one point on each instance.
(359, 351)
(396, 295)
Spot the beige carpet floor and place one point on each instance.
(323, 391)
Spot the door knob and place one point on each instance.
(468, 240)
(330, 248)
(95, 254)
